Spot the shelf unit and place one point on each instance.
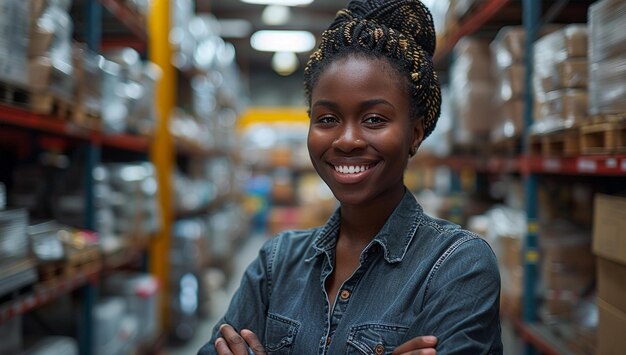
(528, 165)
(92, 142)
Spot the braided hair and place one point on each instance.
(402, 31)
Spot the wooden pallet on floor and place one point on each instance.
(603, 137)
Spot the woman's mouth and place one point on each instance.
(351, 169)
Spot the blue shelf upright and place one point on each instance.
(92, 153)
(531, 16)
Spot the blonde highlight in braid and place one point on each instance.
(401, 31)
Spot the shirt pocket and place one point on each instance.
(280, 334)
(374, 339)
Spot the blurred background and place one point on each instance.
(149, 147)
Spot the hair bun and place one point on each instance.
(409, 17)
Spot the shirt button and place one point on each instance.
(345, 294)
(379, 349)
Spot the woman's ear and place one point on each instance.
(417, 135)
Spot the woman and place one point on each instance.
(380, 277)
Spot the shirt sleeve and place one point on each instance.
(462, 302)
(248, 307)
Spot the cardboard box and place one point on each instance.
(612, 283)
(611, 339)
(609, 228)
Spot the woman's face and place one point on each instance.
(360, 132)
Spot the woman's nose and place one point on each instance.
(348, 140)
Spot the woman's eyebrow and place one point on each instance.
(374, 102)
(325, 103)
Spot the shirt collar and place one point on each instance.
(394, 237)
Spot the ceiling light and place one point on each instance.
(276, 15)
(283, 41)
(285, 63)
(279, 2)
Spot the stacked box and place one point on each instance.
(607, 55)
(88, 90)
(508, 52)
(560, 79)
(567, 270)
(14, 25)
(472, 89)
(13, 239)
(609, 246)
(507, 227)
(50, 65)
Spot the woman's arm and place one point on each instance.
(462, 303)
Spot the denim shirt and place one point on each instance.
(418, 276)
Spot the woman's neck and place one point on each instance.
(361, 223)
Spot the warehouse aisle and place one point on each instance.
(244, 256)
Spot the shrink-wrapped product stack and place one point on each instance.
(560, 79)
(508, 53)
(472, 89)
(36, 49)
(607, 57)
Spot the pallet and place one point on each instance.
(474, 149)
(603, 138)
(508, 146)
(38, 102)
(74, 262)
(51, 270)
(564, 142)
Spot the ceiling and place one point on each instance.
(313, 18)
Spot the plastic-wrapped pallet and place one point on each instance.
(53, 345)
(13, 240)
(14, 23)
(607, 57)
(508, 54)
(50, 66)
(560, 79)
(472, 89)
(509, 50)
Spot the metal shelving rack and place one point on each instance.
(529, 165)
(91, 142)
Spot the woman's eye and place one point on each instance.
(327, 119)
(374, 120)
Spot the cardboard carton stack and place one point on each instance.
(508, 53)
(560, 79)
(609, 246)
(472, 88)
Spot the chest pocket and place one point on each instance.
(374, 339)
(280, 334)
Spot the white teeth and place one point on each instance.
(345, 169)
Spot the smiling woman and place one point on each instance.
(381, 276)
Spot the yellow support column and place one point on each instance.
(162, 150)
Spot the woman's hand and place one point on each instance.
(233, 343)
(418, 346)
